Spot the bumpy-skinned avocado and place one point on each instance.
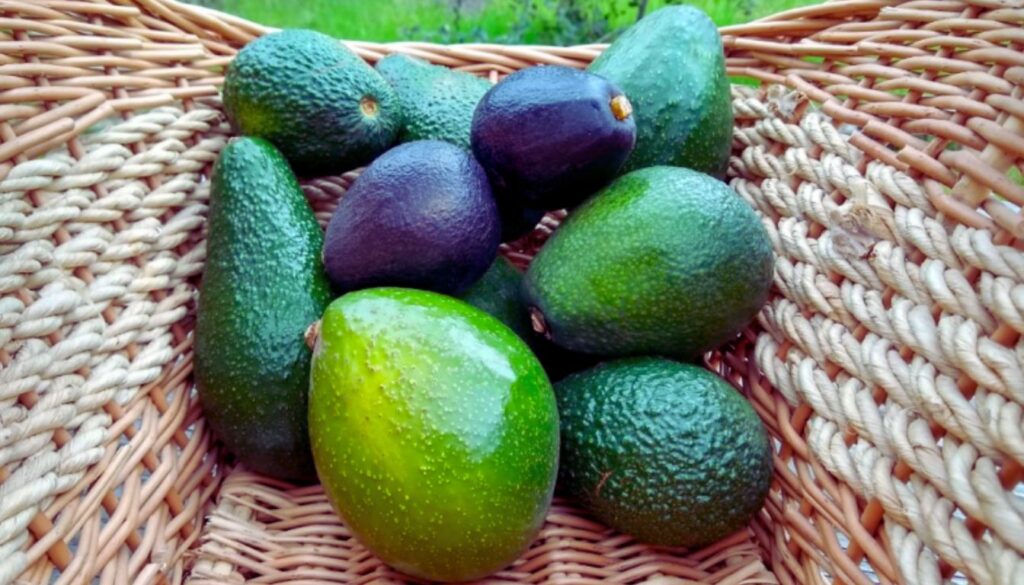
(421, 216)
(550, 136)
(664, 261)
(437, 102)
(434, 431)
(666, 452)
(672, 67)
(326, 109)
(262, 286)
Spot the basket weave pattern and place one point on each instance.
(883, 151)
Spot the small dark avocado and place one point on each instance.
(420, 216)
(319, 103)
(263, 286)
(663, 451)
(551, 136)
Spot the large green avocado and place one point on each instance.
(437, 102)
(434, 431)
(672, 67)
(262, 286)
(326, 109)
(666, 452)
(663, 261)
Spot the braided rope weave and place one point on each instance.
(883, 151)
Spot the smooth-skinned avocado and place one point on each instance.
(551, 136)
(663, 451)
(672, 67)
(325, 108)
(262, 286)
(516, 221)
(434, 431)
(420, 216)
(664, 261)
(437, 102)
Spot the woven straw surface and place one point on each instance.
(883, 149)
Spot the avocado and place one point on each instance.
(262, 286)
(663, 451)
(326, 109)
(516, 221)
(663, 261)
(672, 67)
(434, 431)
(437, 102)
(551, 136)
(499, 294)
(420, 216)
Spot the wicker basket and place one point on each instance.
(883, 149)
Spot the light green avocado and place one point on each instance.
(434, 431)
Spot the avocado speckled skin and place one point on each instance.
(434, 431)
(666, 452)
(549, 136)
(421, 216)
(262, 286)
(326, 109)
(664, 261)
(672, 67)
(437, 102)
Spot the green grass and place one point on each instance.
(480, 20)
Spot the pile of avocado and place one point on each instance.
(403, 363)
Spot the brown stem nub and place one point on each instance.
(368, 105)
(621, 107)
(312, 334)
(538, 323)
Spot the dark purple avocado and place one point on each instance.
(551, 136)
(420, 216)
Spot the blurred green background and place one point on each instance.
(556, 22)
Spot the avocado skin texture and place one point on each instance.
(664, 261)
(421, 216)
(672, 67)
(666, 452)
(437, 102)
(303, 91)
(434, 430)
(548, 137)
(262, 286)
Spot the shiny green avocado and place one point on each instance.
(434, 431)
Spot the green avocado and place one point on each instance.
(262, 287)
(663, 451)
(664, 261)
(437, 102)
(325, 108)
(434, 431)
(499, 294)
(672, 67)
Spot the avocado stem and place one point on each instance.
(368, 105)
(312, 334)
(539, 324)
(621, 107)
